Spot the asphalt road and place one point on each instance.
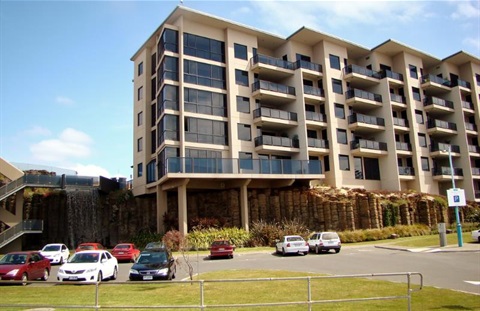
(451, 270)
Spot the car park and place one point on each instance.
(57, 253)
(291, 244)
(24, 266)
(126, 252)
(476, 235)
(153, 264)
(89, 247)
(324, 241)
(89, 266)
(221, 248)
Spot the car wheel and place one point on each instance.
(305, 253)
(174, 272)
(24, 279)
(283, 252)
(61, 260)
(337, 250)
(100, 276)
(115, 274)
(46, 274)
(317, 250)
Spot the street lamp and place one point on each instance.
(457, 215)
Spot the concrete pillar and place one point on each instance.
(244, 204)
(161, 208)
(182, 209)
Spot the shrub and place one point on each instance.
(143, 237)
(202, 239)
(174, 240)
(265, 234)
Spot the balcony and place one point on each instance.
(318, 146)
(435, 84)
(403, 148)
(362, 99)
(192, 166)
(476, 172)
(309, 69)
(316, 119)
(400, 125)
(370, 148)
(471, 128)
(468, 108)
(276, 144)
(437, 127)
(464, 85)
(438, 150)
(394, 77)
(271, 67)
(361, 123)
(269, 117)
(406, 172)
(361, 76)
(273, 91)
(398, 100)
(313, 94)
(474, 151)
(437, 105)
(444, 173)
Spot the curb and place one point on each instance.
(429, 249)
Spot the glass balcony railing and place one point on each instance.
(267, 140)
(275, 113)
(274, 87)
(362, 70)
(435, 79)
(363, 94)
(400, 122)
(361, 118)
(368, 144)
(444, 147)
(317, 143)
(474, 148)
(315, 116)
(273, 61)
(432, 123)
(390, 74)
(461, 83)
(311, 90)
(430, 100)
(476, 171)
(406, 171)
(308, 65)
(403, 146)
(470, 127)
(242, 166)
(445, 170)
(467, 105)
(397, 98)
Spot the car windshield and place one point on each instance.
(51, 248)
(86, 247)
(152, 258)
(122, 246)
(330, 236)
(218, 243)
(85, 258)
(155, 245)
(294, 239)
(13, 259)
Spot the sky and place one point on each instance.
(66, 92)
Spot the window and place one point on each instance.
(416, 94)
(167, 128)
(168, 42)
(358, 167)
(140, 93)
(342, 136)
(243, 104)
(477, 78)
(140, 69)
(205, 102)
(339, 111)
(206, 131)
(204, 74)
(344, 162)
(168, 99)
(245, 159)
(139, 169)
(168, 70)
(422, 140)
(302, 57)
(425, 164)
(203, 47)
(372, 169)
(419, 116)
(153, 139)
(413, 71)
(241, 77)
(151, 171)
(326, 163)
(140, 118)
(153, 116)
(337, 86)
(244, 132)
(240, 51)
(153, 84)
(334, 62)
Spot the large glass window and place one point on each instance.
(151, 176)
(168, 42)
(337, 86)
(413, 71)
(358, 167)
(416, 94)
(342, 136)
(168, 99)
(372, 168)
(205, 102)
(425, 164)
(422, 140)
(206, 131)
(344, 162)
(241, 77)
(245, 159)
(167, 128)
(168, 70)
(244, 132)
(340, 111)
(174, 165)
(334, 62)
(240, 51)
(204, 74)
(243, 104)
(203, 47)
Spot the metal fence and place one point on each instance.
(309, 300)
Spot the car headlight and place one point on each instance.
(12, 272)
(163, 271)
(61, 271)
(133, 271)
(91, 270)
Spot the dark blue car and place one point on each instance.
(153, 264)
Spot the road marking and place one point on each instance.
(473, 282)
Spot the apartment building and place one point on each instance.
(219, 105)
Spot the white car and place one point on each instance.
(476, 235)
(324, 241)
(56, 253)
(291, 244)
(89, 266)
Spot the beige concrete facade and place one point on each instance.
(318, 109)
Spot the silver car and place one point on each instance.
(324, 242)
(291, 244)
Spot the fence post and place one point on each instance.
(409, 297)
(202, 301)
(96, 294)
(309, 291)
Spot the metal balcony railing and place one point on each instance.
(362, 71)
(406, 171)
(467, 105)
(274, 87)
(432, 123)
(444, 147)
(308, 65)
(363, 94)
(368, 144)
(311, 90)
(275, 113)
(470, 127)
(400, 122)
(430, 100)
(397, 98)
(317, 143)
(403, 146)
(361, 118)
(390, 74)
(26, 226)
(476, 171)
(461, 83)
(445, 170)
(315, 116)
(474, 148)
(272, 61)
(276, 141)
(432, 78)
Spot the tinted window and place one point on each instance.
(337, 86)
(425, 164)
(339, 111)
(241, 77)
(422, 140)
(342, 136)
(344, 162)
(334, 62)
(240, 51)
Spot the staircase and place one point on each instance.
(26, 226)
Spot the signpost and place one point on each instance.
(456, 198)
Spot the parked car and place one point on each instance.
(89, 266)
(56, 253)
(154, 245)
(476, 235)
(89, 247)
(291, 244)
(324, 242)
(154, 264)
(221, 248)
(24, 266)
(126, 252)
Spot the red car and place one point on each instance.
(24, 266)
(221, 248)
(126, 252)
(89, 247)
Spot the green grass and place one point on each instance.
(423, 240)
(157, 294)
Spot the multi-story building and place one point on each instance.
(219, 105)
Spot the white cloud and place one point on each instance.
(466, 10)
(65, 101)
(473, 42)
(37, 130)
(70, 144)
(90, 170)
